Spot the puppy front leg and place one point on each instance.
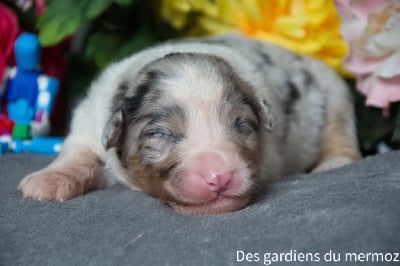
(339, 147)
(74, 172)
(339, 139)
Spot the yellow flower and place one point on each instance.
(307, 27)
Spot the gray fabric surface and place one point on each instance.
(353, 209)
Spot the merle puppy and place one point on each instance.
(201, 124)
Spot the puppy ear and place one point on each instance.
(266, 115)
(113, 130)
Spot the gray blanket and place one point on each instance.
(351, 215)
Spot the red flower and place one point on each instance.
(8, 33)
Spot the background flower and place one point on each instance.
(9, 29)
(300, 25)
(372, 30)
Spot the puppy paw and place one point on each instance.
(49, 185)
(331, 164)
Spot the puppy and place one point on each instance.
(201, 124)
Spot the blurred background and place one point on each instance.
(81, 37)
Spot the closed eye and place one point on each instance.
(244, 125)
(160, 133)
(157, 132)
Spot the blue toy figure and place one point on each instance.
(30, 94)
(39, 145)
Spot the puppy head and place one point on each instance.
(190, 132)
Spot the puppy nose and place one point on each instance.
(214, 169)
(218, 182)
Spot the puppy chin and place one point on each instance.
(218, 205)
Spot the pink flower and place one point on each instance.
(8, 33)
(372, 31)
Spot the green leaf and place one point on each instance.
(62, 18)
(95, 7)
(141, 39)
(103, 48)
(59, 20)
(54, 32)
